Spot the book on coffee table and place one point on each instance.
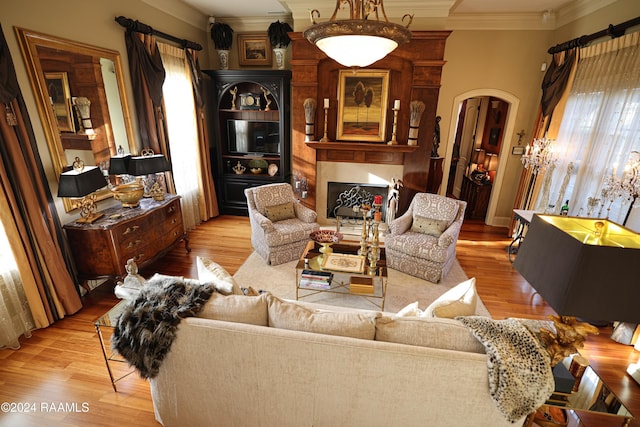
(343, 262)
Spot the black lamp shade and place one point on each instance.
(580, 272)
(119, 165)
(80, 183)
(145, 165)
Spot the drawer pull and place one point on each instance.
(134, 243)
(171, 209)
(173, 221)
(130, 230)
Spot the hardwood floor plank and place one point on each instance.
(63, 363)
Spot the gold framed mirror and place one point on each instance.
(88, 73)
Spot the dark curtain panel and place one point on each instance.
(556, 79)
(24, 183)
(147, 77)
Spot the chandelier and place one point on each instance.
(358, 41)
(539, 155)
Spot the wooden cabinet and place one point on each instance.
(144, 233)
(477, 197)
(249, 124)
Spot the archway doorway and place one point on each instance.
(484, 120)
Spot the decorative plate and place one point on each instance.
(273, 169)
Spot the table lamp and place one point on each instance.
(148, 165)
(582, 267)
(82, 182)
(491, 165)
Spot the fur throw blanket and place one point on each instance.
(520, 376)
(147, 327)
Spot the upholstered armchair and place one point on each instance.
(280, 225)
(422, 242)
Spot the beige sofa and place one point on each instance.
(261, 361)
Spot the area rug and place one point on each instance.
(402, 289)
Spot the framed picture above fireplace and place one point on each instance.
(362, 105)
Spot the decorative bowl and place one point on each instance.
(326, 238)
(128, 194)
(256, 171)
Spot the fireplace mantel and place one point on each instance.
(360, 152)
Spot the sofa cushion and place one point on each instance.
(410, 310)
(237, 308)
(446, 334)
(292, 316)
(461, 300)
(430, 226)
(280, 212)
(211, 272)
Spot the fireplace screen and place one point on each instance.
(342, 197)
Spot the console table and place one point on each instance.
(144, 233)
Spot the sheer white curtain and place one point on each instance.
(600, 128)
(15, 315)
(183, 131)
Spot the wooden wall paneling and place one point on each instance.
(416, 69)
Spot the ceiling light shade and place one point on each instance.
(358, 41)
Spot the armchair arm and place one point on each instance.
(450, 235)
(401, 224)
(304, 214)
(264, 222)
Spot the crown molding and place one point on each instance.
(181, 11)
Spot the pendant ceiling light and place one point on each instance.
(358, 41)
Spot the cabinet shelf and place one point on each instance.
(229, 185)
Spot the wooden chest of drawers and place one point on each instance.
(144, 233)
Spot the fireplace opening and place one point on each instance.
(342, 197)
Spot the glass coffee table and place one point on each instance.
(109, 320)
(356, 280)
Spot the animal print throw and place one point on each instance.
(520, 376)
(147, 327)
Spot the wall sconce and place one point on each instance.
(300, 186)
(82, 182)
(539, 155)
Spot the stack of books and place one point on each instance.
(316, 279)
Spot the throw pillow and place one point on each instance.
(430, 226)
(460, 300)
(280, 212)
(211, 272)
(410, 310)
(446, 334)
(292, 316)
(237, 308)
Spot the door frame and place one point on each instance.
(505, 147)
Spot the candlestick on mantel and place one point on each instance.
(325, 138)
(396, 108)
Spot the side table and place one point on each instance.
(109, 320)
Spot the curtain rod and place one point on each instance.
(139, 27)
(612, 30)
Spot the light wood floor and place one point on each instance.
(63, 363)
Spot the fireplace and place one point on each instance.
(374, 178)
(342, 197)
